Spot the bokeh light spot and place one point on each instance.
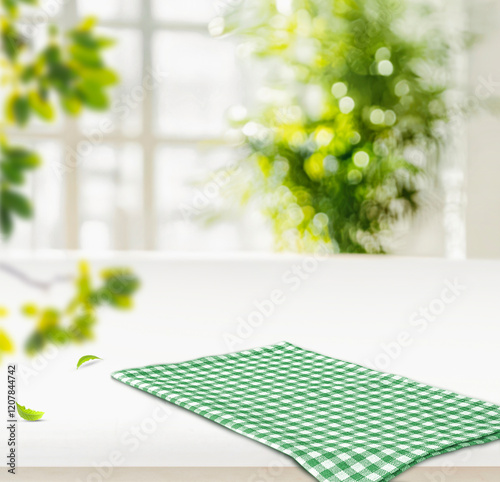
(390, 118)
(361, 159)
(402, 88)
(320, 220)
(355, 138)
(237, 113)
(216, 26)
(339, 89)
(323, 137)
(354, 176)
(331, 164)
(385, 67)
(383, 53)
(346, 105)
(377, 116)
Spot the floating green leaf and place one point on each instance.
(85, 359)
(28, 414)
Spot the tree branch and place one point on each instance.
(41, 285)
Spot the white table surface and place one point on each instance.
(349, 308)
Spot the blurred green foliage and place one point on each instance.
(347, 138)
(6, 343)
(67, 73)
(76, 322)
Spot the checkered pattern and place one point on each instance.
(340, 421)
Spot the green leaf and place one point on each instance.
(71, 104)
(120, 281)
(105, 42)
(35, 343)
(28, 73)
(93, 96)
(12, 173)
(60, 77)
(43, 108)
(85, 39)
(21, 157)
(87, 24)
(12, 42)
(102, 76)
(6, 223)
(52, 54)
(87, 57)
(19, 110)
(28, 414)
(29, 309)
(6, 343)
(85, 359)
(10, 6)
(122, 302)
(82, 327)
(17, 203)
(119, 285)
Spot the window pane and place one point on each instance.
(38, 14)
(189, 11)
(110, 198)
(183, 172)
(48, 198)
(182, 236)
(110, 9)
(200, 83)
(186, 194)
(125, 115)
(22, 237)
(45, 187)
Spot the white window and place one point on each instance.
(139, 184)
(130, 186)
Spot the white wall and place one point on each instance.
(483, 170)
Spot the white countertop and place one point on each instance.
(353, 308)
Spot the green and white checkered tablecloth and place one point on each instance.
(340, 421)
